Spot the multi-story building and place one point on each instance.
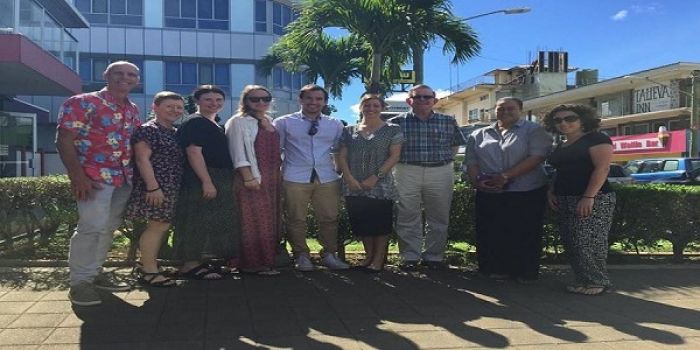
(179, 44)
(637, 107)
(471, 102)
(38, 56)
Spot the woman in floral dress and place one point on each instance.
(157, 178)
(254, 148)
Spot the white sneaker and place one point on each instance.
(332, 262)
(303, 263)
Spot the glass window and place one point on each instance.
(171, 8)
(7, 14)
(261, 16)
(85, 69)
(117, 7)
(206, 73)
(205, 9)
(83, 5)
(172, 72)
(221, 74)
(188, 8)
(99, 6)
(204, 14)
(189, 73)
(670, 165)
(134, 7)
(98, 67)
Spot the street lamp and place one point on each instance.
(513, 11)
(419, 52)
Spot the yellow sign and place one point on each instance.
(405, 77)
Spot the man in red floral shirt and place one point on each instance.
(93, 140)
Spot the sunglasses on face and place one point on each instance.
(422, 97)
(265, 99)
(313, 130)
(568, 119)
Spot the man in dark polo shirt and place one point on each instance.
(425, 180)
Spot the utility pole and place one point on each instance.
(694, 112)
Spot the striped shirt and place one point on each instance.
(428, 140)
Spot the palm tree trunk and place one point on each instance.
(418, 53)
(375, 74)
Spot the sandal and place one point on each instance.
(148, 279)
(591, 290)
(203, 272)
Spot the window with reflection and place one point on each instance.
(7, 14)
(115, 12)
(200, 14)
(184, 77)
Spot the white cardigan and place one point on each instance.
(241, 131)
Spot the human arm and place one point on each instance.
(394, 155)
(237, 150)
(342, 163)
(601, 156)
(142, 153)
(199, 166)
(81, 185)
(539, 145)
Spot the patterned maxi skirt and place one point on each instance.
(586, 239)
(207, 228)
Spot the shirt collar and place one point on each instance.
(105, 94)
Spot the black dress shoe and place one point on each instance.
(435, 265)
(409, 265)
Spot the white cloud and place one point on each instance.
(620, 15)
(648, 8)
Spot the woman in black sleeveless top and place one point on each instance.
(581, 194)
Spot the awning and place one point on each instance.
(26, 69)
(640, 117)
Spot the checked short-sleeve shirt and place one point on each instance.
(428, 140)
(103, 129)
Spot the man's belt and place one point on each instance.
(429, 164)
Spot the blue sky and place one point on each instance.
(617, 37)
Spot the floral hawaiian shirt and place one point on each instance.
(104, 128)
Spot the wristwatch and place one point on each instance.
(380, 174)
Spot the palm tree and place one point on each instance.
(389, 27)
(336, 61)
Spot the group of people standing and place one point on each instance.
(226, 189)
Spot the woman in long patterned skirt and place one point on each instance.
(581, 194)
(254, 147)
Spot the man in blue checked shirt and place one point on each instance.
(309, 140)
(425, 179)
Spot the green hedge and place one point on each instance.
(644, 214)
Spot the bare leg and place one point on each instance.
(379, 255)
(368, 243)
(149, 245)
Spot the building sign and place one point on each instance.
(656, 97)
(650, 143)
(644, 144)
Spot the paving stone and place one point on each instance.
(14, 307)
(7, 319)
(38, 321)
(47, 307)
(55, 295)
(22, 336)
(22, 296)
(19, 347)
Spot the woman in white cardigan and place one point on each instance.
(254, 147)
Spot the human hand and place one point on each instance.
(584, 208)
(208, 190)
(155, 198)
(252, 184)
(552, 201)
(83, 188)
(369, 183)
(352, 183)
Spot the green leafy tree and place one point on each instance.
(335, 61)
(390, 28)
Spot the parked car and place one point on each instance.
(619, 175)
(680, 170)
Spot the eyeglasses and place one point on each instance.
(569, 119)
(422, 97)
(313, 130)
(265, 99)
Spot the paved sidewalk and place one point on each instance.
(654, 307)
